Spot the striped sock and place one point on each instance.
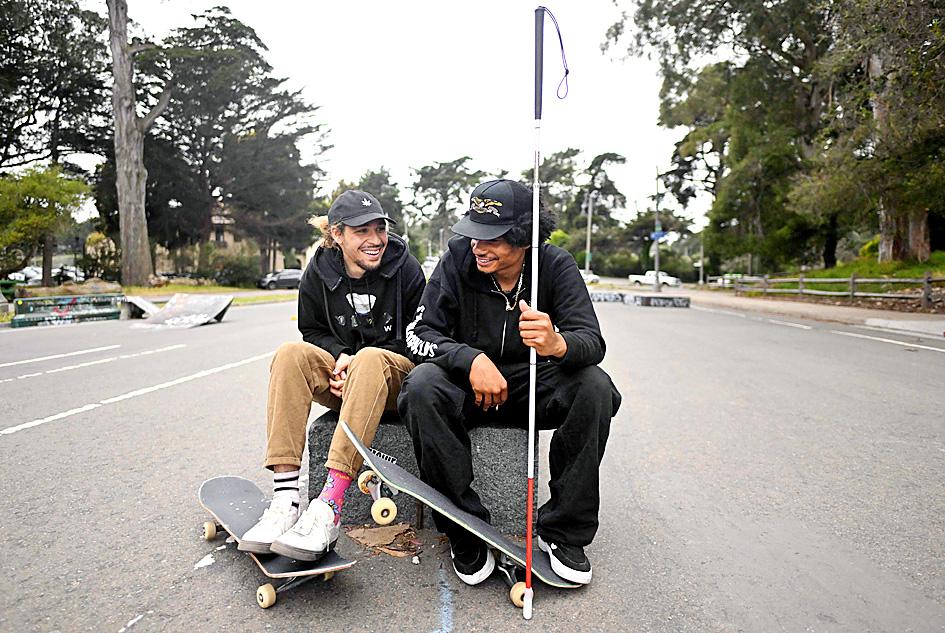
(285, 488)
(333, 492)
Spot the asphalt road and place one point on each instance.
(762, 475)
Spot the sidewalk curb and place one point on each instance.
(848, 315)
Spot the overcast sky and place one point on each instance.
(406, 84)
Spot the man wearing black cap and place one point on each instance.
(470, 340)
(356, 297)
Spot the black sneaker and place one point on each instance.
(568, 561)
(473, 561)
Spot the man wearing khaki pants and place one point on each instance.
(356, 298)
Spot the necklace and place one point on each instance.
(509, 304)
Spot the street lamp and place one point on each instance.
(657, 235)
(589, 203)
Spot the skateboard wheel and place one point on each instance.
(209, 531)
(364, 479)
(266, 596)
(384, 511)
(517, 594)
(328, 575)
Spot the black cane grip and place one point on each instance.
(539, 48)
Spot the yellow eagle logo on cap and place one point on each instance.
(485, 205)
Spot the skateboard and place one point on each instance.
(236, 504)
(511, 559)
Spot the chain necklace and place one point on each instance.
(509, 304)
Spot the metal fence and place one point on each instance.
(802, 286)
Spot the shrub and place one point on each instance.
(235, 270)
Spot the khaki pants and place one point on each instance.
(299, 375)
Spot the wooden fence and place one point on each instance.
(769, 285)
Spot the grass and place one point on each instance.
(148, 291)
(869, 268)
(270, 298)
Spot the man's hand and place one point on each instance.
(488, 383)
(537, 331)
(339, 374)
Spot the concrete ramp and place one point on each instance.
(185, 311)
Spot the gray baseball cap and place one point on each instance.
(354, 208)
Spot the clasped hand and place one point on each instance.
(339, 374)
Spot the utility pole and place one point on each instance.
(657, 234)
(701, 261)
(589, 203)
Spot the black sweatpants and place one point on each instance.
(578, 404)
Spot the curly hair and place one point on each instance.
(521, 232)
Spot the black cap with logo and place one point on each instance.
(494, 207)
(354, 208)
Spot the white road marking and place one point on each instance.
(42, 358)
(714, 311)
(101, 361)
(132, 622)
(887, 330)
(206, 561)
(789, 324)
(134, 394)
(58, 416)
(889, 340)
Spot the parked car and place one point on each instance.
(589, 277)
(288, 278)
(649, 279)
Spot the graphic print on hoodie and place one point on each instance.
(344, 315)
(462, 314)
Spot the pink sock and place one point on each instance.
(333, 492)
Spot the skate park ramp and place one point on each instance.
(186, 311)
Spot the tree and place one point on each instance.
(558, 172)
(379, 184)
(131, 175)
(885, 145)
(754, 119)
(174, 203)
(440, 191)
(52, 81)
(268, 192)
(31, 207)
(228, 109)
(637, 232)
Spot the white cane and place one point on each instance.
(532, 354)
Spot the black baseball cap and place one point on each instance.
(494, 207)
(354, 208)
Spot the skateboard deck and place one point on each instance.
(236, 504)
(399, 479)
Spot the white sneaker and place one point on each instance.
(276, 521)
(312, 536)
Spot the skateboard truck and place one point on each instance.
(383, 510)
(510, 572)
(235, 504)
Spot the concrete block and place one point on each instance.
(662, 301)
(499, 463)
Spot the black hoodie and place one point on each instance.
(462, 314)
(342, 315)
